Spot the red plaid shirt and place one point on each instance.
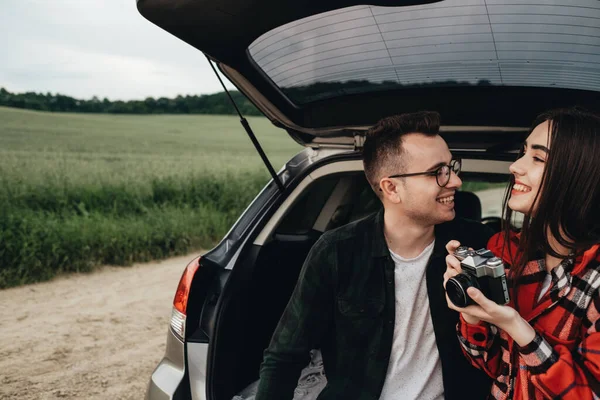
(563, 360)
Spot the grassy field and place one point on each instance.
(80, 190)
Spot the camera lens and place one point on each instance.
(456, 288)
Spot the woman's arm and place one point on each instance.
(555, 371)
(478, 339)
(481, 345)
(559, 373)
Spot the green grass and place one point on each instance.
(81, 190)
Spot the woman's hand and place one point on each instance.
(504, 317)
(452, 269)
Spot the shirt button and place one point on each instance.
(480, 337)
(390, 321)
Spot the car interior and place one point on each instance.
(261, 296)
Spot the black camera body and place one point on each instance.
(482, 270)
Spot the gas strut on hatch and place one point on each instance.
(246, 126)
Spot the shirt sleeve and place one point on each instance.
(301, 327)
(560, 373)
(481, 344)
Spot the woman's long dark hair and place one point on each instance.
(568, 201)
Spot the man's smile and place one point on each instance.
(446, 199)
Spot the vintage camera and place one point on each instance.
(482, 270)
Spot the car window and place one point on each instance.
(491, 195)
(366, 202)
(302, 215)
(450, 43)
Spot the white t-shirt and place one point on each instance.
(415, 369)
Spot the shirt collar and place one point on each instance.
(561, 275)
(561, 279)
(380, 248)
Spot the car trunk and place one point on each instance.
(264, 277)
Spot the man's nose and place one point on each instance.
(455, 181)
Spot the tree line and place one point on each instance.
(217, 103)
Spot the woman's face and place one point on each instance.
(529, 169)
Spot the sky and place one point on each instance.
(104, 48)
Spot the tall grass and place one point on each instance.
(78, 191)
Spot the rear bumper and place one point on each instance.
(169, 374)
(164, 382)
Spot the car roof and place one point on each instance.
(326, 71)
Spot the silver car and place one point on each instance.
(324, 71)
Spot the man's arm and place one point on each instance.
(301, 327)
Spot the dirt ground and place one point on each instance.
(87, 336)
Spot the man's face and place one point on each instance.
(420, 197)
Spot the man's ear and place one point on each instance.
(389, 190)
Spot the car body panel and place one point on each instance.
(197, 362)
(170, 372)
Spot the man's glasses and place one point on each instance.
(442, 173)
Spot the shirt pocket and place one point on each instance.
(359, 321)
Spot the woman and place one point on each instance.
(546, 342)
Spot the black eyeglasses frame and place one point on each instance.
(454, 166)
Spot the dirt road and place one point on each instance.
(92, 336)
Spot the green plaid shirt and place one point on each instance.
(344, 304)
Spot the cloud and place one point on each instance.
(106, 49)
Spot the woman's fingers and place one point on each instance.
(452, 245)
(476, 312)
(453, 263)
(449, 274)
(473, 311)
(480, 299)
(501, 316)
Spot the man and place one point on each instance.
(370, 293)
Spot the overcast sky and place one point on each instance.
(105, 48)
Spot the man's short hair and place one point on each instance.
(382, 150)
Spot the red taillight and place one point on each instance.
(183, 289)
(179, 313)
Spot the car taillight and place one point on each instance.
(180, 301)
